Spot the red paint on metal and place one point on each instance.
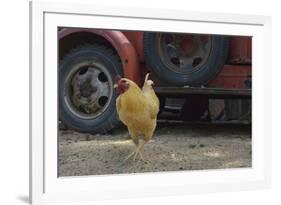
(187, 45)
(232, 76)
(131, 64)
(240, 50)
(123, 46)
(129, 46)
(136, 38)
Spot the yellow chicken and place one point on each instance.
(138, 110)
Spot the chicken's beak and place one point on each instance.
(115, 85)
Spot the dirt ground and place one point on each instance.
(173, 147)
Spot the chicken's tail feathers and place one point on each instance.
(146, 76)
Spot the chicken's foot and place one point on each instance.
(129, 156)
(135, 153)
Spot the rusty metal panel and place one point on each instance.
(136, 38)
(233, 76)
(240, 50)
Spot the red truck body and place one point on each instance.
(129, 46)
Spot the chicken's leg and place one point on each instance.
(136, 142)
(139, 150)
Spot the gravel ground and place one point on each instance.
(173, 147)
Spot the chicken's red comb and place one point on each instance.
(117, 78)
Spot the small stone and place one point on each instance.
(192, 146)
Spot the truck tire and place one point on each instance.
(185, 59)
(86, 93)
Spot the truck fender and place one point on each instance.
(124, 48)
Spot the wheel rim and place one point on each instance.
(88, 89)
(184, 53)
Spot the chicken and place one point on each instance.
(138, 110)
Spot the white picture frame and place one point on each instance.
(46, 187)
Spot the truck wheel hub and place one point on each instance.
(91, 90)
(184, 53)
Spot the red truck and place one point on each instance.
(200, 77)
